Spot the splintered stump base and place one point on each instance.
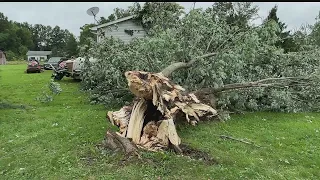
(149, 123)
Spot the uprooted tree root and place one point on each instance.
(149, 122)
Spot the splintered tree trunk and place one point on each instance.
(150, 122)
(136, 121)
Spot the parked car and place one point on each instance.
(54, 61)
(33, 66)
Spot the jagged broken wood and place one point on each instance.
(149, 122)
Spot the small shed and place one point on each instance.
(38, 55)
(3, 59)
(125, 29)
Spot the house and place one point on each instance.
(3, 59)
(125, 29)
(38, 55)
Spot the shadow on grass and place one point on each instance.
(67, 80)
(7, 105)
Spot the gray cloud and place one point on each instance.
(294, 14)
(72, 15)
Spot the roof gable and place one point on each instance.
(113, 22)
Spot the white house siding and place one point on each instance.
(39, 57)
(119, 32)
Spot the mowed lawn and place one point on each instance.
(57, 140)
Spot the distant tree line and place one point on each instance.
(17, 38)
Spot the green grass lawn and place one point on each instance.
(57, 140)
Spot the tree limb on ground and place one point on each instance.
(239, 140)
(281, 82)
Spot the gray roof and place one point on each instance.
(38, 53)
(113, 22)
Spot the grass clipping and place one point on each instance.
(149, 123)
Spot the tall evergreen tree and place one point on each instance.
(286, 41)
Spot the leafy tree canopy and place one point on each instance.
(242, 53)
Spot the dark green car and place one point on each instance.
(53, 61)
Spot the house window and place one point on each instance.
(0, 55)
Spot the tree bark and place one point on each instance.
(115, 142)
(150, 122)
(180, 65)
(280, 82)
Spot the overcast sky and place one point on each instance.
(72, 15)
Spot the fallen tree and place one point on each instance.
(149, 122)
(221, 66)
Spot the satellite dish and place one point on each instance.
(93, 12)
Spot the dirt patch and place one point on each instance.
(89, 160)
(197, 154)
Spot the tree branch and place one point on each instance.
(194, 4)
(150, 64)
(176, 66)
(291, 81)
(117, 90)
(239, 140)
